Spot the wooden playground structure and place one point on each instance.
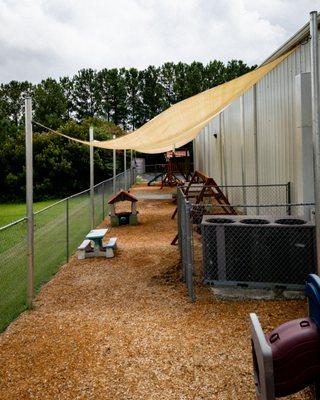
(204, 189)
(176, 169)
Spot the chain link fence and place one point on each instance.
(269, 245)
(58, 231)
(13, 270)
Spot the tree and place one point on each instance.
(12, 162)
(214, 74)
(67, 86)
(113, 95)
(180, 84)
(61, 167)
(105, 88)
(134, 100)
(103, 130)
(86, 96)
(151, 93)
(12, 97)
(167, 78)
(7, 128)
(50, 104)
(195, 77)
(236, 68)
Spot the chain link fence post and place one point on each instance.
(92, 205)
(125, 169)
(114, 161)
(288, 195)
(181, 232)
(29, 199)
(67, 228)
(189, 258)
(103, 210)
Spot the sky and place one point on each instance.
(42, 38)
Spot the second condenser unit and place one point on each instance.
(260, 250)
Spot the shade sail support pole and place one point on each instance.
(125, 168)
(91, 176)
(220, 149)
(255, 144)
(114, 168)
(243, 154)
(131, 168)
(29, 199)
(315, 123)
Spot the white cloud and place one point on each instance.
(41, 38)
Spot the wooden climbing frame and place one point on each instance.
(200, 187)
(178, 163)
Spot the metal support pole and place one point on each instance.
(315, 123)
(91, 176)
(256, 151)
(131, 168)
(194, 161)
(288, 193)
(135, 164)
(189, 271)
(125, 168)
(114, 168)
(182, 239)
(243, 158)
(103, 190)
(224, 156)
(67, 228)
(29, 199)
(221, 150)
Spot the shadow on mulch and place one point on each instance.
(170, 277)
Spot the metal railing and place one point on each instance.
(58, 231)
(226, 246)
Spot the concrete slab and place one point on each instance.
(255, 294)
(151, 196)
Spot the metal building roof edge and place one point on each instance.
(297, 38)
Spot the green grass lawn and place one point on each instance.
(51, 248)
(56, 237)
(10, 212)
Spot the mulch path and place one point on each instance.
(123, 328)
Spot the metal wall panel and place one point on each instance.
(249, 161)
(276, 128)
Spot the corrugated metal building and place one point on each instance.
(265, 137)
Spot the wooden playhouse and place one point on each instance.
(123, 217)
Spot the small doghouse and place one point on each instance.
(126, 217)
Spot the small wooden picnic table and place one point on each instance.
(96, 235)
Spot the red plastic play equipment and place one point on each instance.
(287, 359)
(295, 348)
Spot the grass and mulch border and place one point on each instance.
(10, 212)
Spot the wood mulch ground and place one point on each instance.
(123, 328)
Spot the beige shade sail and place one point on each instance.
(183, 121)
